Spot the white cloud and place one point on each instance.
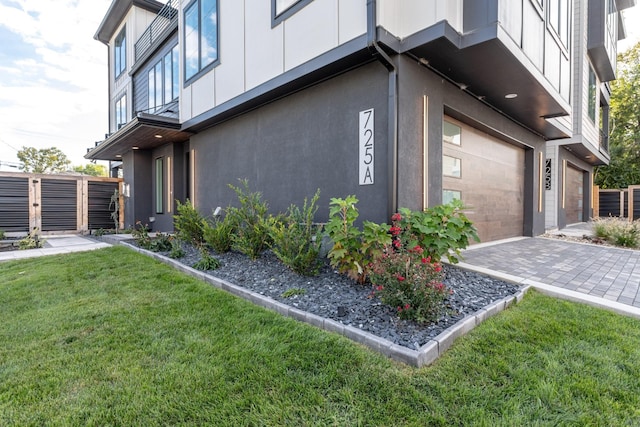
(54, 91)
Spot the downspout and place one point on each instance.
(392, 151)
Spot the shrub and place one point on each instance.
(141, 236)
(31, 240)
(176, 250)
(618, 231)
(441, 230)
(189, 224)
(409, 281)
(206, 262)
(250, 222)
(219, 234)
(353, 250)
(296, 240)
(161, 243)
(2, 234)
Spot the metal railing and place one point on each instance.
(167, 16)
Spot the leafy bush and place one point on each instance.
(296, 240)
(441, 230)
(31, 240)
(250, 222)
(176, 250)
(141, 236)
(206, 262)
(2, 234)
(353, 250)
(161, 243)
(189, 224)
(219, 234)
(409, 281)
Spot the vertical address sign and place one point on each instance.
(366, 147)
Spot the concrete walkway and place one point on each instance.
(55, 245)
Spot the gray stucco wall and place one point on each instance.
(289, 148)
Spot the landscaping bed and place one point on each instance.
(334, 296)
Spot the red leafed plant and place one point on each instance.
(409, 280)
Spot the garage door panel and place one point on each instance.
(574, 195)
(491, 183)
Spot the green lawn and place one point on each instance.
(112, 337)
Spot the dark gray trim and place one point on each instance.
(392, 146)
(277, 19)
(339, 60)
(215, 63)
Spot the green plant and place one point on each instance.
(99, 232)
(206, 262)
(161, 243)
(618, 231)
(2, 234)
(408, 280)
(296, 239)
(442, 230)
(31, 240)
(250, 221)
(293, 292)
(114, 207)
(189, 224)
(353, 250)
(141, 236)
(219, 234)
(176, 249)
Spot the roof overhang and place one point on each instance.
(585, 151)
(144, 132)
(116, 13)
(470, 61)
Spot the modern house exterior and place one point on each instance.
(501, 103)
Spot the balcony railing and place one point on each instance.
(167, 17)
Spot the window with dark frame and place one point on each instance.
(120, 52)
(592, 94)
(163, 81)
(159, 185)
(282, 9)
(201, 37)
(121, 111)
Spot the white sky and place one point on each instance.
(53, 75)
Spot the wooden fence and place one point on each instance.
(57, 204)
(623, 203)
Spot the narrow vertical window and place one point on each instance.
(151, 78)
(175, 66)
(592, 94)
(121, 111)
(120, 52)
(159, 185)
(168, 78)
(158, 86)
(200, 36)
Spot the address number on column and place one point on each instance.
(366, 153)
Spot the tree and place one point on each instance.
(44, 160)
(624, 138)
(91, 169)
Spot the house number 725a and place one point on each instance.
(366, 140)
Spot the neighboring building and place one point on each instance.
(502, 103)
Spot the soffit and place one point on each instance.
(116, 13)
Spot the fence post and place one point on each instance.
(595, 201)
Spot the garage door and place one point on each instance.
(487, 174)
(574, 198)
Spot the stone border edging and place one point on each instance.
(426, 355)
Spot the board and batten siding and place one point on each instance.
(252, 52)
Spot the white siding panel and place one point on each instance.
(203, 94)
(310, 32)
(353, 19)
(264, 46)
(389, 16)
(185, 103)
(229, 75)
(406, 17)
